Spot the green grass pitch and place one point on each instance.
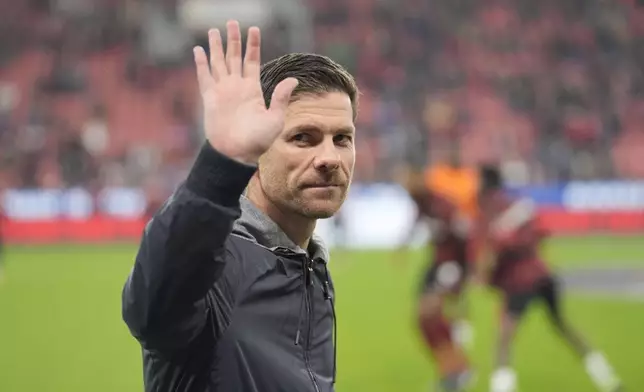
(61, 328)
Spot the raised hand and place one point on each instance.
(237, 122)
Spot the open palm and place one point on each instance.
(236, 120)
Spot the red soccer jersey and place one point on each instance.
(448, 229)
(511, 228)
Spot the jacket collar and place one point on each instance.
(255, 226)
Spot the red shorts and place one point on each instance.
(545, 289)
(448, 268)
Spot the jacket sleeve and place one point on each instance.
(182, 254)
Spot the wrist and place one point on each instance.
(218, 177)
(235, 154)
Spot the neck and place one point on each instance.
(296, 227)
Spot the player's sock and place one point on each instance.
(463, 333)
(457, 382)
(601, 373)
(503, 380)
(450, 359)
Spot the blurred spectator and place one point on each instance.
(162, 43)
(165, 42)
(67, 74)
(183, 132)
(74, 160)
(8, 101)
(95, 133)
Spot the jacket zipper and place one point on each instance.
(308, 273)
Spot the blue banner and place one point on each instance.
(77, 203)
(74, 203)
(589, 195)
(544, 196)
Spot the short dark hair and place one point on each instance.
(491, 177)
(315, 73)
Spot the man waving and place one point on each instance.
(231, 292)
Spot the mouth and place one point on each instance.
(321, 186)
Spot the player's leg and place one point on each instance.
(549, 292)
(451, 279)
(462, 330)
(504, 378)
(597, 366)
(451, 361)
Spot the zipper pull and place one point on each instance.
(309, 272)
(326, 290)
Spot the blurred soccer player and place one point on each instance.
(444, 277)
(2, 227)
(510, 236)
(339, 230)
(458, 183)
(2, 261)
(455, 181)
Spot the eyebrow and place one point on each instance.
(319, 127)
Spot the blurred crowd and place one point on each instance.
(98, 93)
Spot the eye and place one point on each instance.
(302, 138)
(342, 139)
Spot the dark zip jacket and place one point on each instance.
(221, 299)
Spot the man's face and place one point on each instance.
(308, 168)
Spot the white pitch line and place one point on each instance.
(629, 295)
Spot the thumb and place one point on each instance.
(282, 95)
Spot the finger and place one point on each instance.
(217, 62)
(204, 78)
(282, 95)
(252, 60)
(233, 47)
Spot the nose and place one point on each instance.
(328, 157)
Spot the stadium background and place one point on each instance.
(99, 121)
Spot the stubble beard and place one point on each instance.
(314, 209)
